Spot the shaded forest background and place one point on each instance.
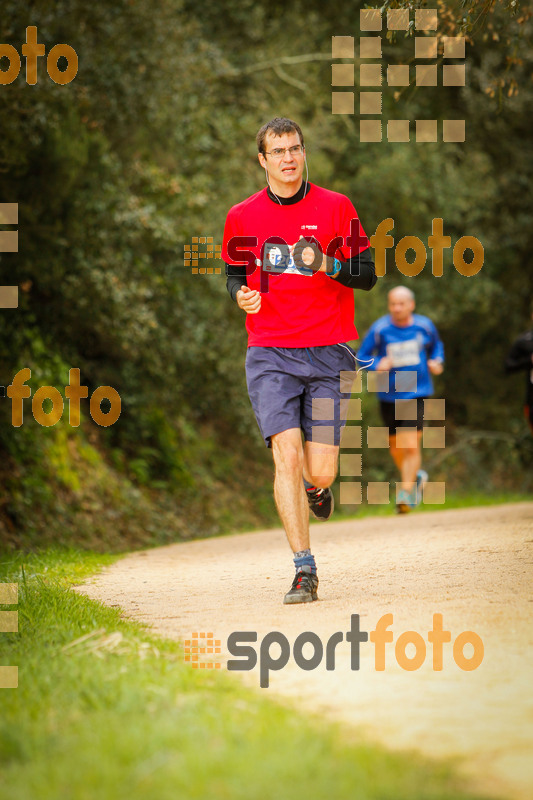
(149, 146)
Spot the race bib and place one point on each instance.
(404, 354)
(277, 258)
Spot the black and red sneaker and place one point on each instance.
(304, 586)
(320, 502)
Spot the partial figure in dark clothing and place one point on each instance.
(520, 357)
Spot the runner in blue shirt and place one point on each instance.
(407, 347)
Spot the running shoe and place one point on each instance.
(421, 480)
(403, 502)
(320, 502)
(304, 586)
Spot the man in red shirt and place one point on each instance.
(294, 253)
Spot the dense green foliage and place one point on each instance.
(149, 146)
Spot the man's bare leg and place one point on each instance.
(320, 463)
(406, 451)
(293, 508)
(289, 492)
(320, 467)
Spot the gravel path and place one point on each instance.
(472, 566)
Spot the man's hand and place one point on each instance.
(384, 364)
(314, 260)
(435, 366)
(249, 300)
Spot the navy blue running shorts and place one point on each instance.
(301, 387)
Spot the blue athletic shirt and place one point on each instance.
(410, 347)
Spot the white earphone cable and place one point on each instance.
(271, 189)
(365, 365)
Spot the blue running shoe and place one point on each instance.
(421, 480)
(403, 502)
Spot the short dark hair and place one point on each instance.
(278, 126)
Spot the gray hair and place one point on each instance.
(405, 290)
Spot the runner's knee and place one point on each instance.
(288, 454)
(323, 469)
(407, 441)
(322, 481)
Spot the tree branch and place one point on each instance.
(261, 65)
(289, 79)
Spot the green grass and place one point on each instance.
(454, 499)
(120, 715)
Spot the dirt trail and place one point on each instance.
(473, 566)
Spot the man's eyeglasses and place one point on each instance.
(279, 152)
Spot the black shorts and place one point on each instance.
(388, 413)
(301, 387)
